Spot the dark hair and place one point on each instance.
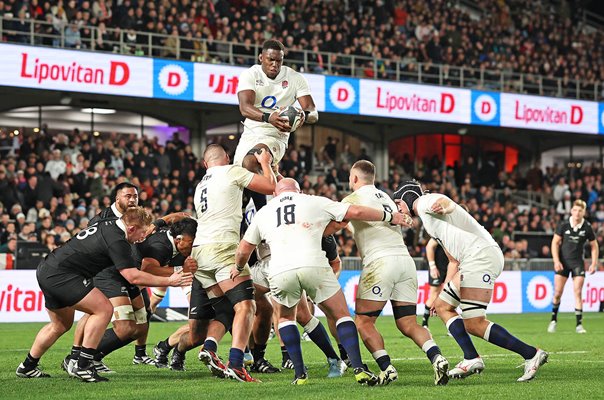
(121, 186)
(273, 44)
(186, 226)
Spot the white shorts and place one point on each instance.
(277, 147)
(319, 283)
(260, 273)
(389, 278)
(481, 269)
(214, 263)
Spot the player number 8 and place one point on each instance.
(85, 233)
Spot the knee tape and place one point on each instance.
(450, 294)
(473, 309)
(224, 311)
(403, 311)
(375, 313)
(159, 292)
(241, 292)
(140, 316)
(311, 325)
(123, 313)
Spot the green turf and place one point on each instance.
(574, 370)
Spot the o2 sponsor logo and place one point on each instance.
(173, 80)
(539, 293)
(342, 95)
(485, 108)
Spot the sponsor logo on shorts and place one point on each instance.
(376, 290)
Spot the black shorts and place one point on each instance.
(201, 305)
(113, 284)
(576, 269)
(441, 279)
(62, 288)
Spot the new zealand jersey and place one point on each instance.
(92, 250)
(106, 213)
(159, 246)
(573, 241)
(329, 246)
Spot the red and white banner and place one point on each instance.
(544, 113)
(427, 103)
(76, 71)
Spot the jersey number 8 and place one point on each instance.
(87, 232)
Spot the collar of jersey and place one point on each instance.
(576, 227)
(120, 224)
(171, 239)
(116, 211)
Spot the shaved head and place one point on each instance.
(214, 153)
(287, 185)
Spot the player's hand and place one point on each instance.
(190, 265)
(263, 157)
(558, 266)
(234, 272)
(302, 118)
(334, 226)
(281, 123)
(437, 208)
(592, 268)
(180, 279)
(434, 273)
(403, 219)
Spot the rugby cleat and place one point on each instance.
(365, 377)
(388, 375)
(178, 361)
(161, 356)
(441, 369)
(68, 365)
(580, 329)
(532, 366)
(337, 367)
(287, 364)
(143, 360)
(34, 372)
(466, 368)
(89, 375)
(551, 328)
(264, 366)
(240, 374)
(100, 367)
(213, 362)
(301, 380)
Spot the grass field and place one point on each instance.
(574, 370)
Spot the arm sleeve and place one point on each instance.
(252, 235)
(246, 81)
(560, 229)
(303, 88)
(241, 176)
(159, 252)
(335, 210)
(120, 253)
(328, 244)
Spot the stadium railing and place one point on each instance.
(41, 33)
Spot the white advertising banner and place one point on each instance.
(422, 102)
(76, 71)
(550, 114)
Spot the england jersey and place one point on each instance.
(458, 232)
(283, 91)
(218, 201)
(292, 224)
(376, 239)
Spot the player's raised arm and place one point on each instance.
(311, 115)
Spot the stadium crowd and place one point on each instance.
(532, 38)
(51, 185)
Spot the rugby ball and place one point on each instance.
(293, 114)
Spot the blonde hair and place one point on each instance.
(580, 203)
(137, 216)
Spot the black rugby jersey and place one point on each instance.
(92, 250)
(329, 246)
(573, 240)
(440, 258)
(159, 247)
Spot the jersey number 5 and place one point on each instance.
(289, 215)
(203, 202)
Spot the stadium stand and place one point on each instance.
(536, 47)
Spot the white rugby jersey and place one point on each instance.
(376, 239)
(458, 232)
(283, 91)
(292, 224)
(218, 201)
